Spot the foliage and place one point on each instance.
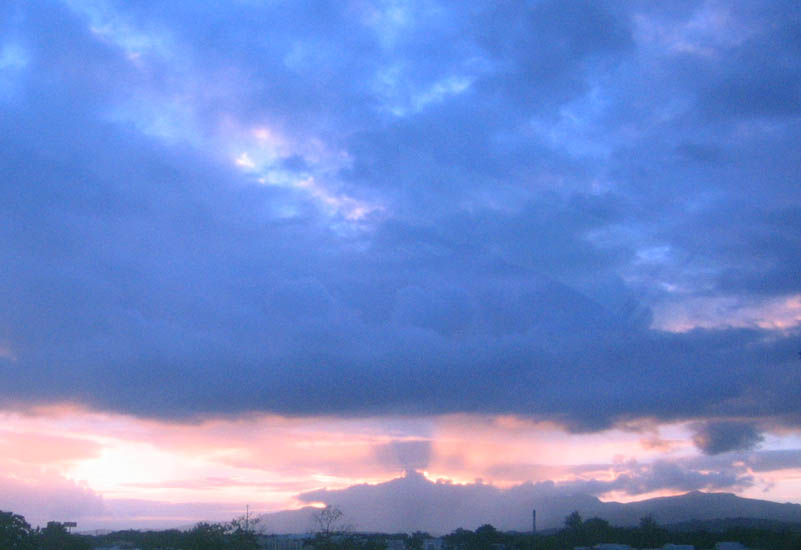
(486, 536)
(482, 539)
(15, 533)
(331, 532)
(647, 535)
(238, 534)
(650, 534)
(241, 532)
(573, 522)
(56, 537)
(207, 536)
(415, 541)
(146, 540)
(329, 521)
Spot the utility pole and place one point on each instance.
(247, 518)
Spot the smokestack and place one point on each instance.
(534, 520)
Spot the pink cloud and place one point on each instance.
(46, 449)
(53, 456)
(47, 495)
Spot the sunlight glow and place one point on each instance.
(721, 312)
(269, 460)
(244, 161)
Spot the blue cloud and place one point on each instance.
(719, 437)
(540, 182)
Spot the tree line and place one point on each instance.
(17, 534)
(333, 534)
(238, 534)
(578, 532)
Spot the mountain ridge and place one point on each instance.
(413, 503)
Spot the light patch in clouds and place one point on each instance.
(244, 161)
(133, 458)
(258, 147)
(13, 57)
(169, 119)
(263, 153)
(779, 314)
(351, 208)
(13, 60)
(113, 27)
(710, 29)
(506, 450)
(46, 449)
(402, 105)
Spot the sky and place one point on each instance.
(258, 249)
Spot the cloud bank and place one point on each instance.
(418, 209)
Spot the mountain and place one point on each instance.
(697, 505)
(412, 503)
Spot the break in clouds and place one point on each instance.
(585, 212)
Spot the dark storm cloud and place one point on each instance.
(719, 437)
(545, 178)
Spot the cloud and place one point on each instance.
(678, 477)
(47, 496)
(720, 437)
(155, 514)
(408, 455)
(780, 459)
(521, 227)
(746, 462)
(268, 461)
(45, 449)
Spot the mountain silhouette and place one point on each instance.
(413, 502)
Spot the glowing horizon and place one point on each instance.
(267, 461)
